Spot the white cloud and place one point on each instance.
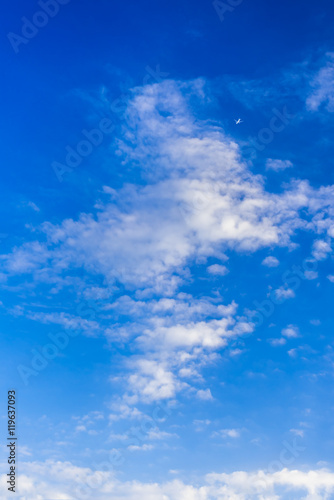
(284, 293)
(291, 331)
(322, 87)
(201, 425)
(321, 249)
(209, 334)
(68, 321)
(25, 451)
(185, 211)
(177, 341)
(277, 342)
(218, 270)
(298, 432)
(80, 428)
(122, 411)
(204, 395)
(65, 481)
(227, 433)
(315, 485)
(143, 447)
(154, 381)
(157, 435)
(270, 261)
(27, 258)
(331, 278)
(83, 423)
(200, 201)
(278, 165)
(33, 205)
(235, 352)
(311, 275)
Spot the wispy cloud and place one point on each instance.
(322, 86)
(278, 165)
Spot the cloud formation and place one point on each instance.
(200, 202)
(65, 481)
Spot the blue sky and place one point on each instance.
(166, 274)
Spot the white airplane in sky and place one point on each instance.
(239, 120)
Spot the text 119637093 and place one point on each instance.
(12, 441)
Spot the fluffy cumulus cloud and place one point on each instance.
(199, 201)
(291, 331)
(65, 481)
(284, 293)
(218, 269)
(270, 261)
(153, 381)
(178, 343)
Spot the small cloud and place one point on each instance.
(321, 249)
(227, 433)
(292, 353)
(278, 165)
(270, 261)
(25, 451)
(92, 432)
(32, 205)
(315, 322)
(218, 270)
(311, 275)
(277, 342)
(188, 372)
(321, 92)
(291, 332)
(118, 437)
(235, 352)
(157, 434)
(297, 432)
(284, 293)
(144, 447)
(97, 415)
(201, 424)
(331, 278)
(204, 395)
(124, 412)
(80, 428)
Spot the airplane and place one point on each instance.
(239, 120)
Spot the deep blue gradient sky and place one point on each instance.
(187, 274)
